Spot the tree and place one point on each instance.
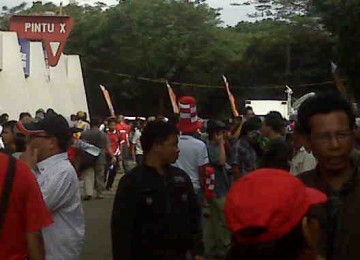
(342, 18)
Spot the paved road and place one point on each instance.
(97, 218)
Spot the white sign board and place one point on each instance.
(263, 107)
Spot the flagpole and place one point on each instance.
(231, 98)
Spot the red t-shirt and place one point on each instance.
(124, 131)
(27, 211)
(114, 138)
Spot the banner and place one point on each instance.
(25, 55)
(231, 98)
(339, 82)
(172, 98)
(108, 100)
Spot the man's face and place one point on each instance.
(44, 145)
(26, 120)
(265, 130)
(168, 150)
(8, 136)
(112, 126)
(331, 140)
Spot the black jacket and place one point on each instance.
(155, 216)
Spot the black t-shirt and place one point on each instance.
(277, 156)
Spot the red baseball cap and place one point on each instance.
(270, 200)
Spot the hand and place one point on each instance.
(30, 156)
(199, 257)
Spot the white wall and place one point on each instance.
(60, 88)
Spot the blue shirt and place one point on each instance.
(59, 184)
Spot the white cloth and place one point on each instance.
(89, 148)
(193, 154)
(88, 175)
(302, 162)
(59, 184)
(135, 140)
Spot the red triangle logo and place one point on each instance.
(53, 31)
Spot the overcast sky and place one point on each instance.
(231, 15)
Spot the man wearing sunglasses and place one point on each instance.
(47, 143)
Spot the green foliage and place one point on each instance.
(342, 18)
(172, 40)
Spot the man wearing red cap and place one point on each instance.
(328, 122)
(193, 153)
(267, 213)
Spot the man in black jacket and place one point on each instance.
(156, 214)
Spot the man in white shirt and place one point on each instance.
(50, 139)
(136, 148)
(303, 160)
(193, 153)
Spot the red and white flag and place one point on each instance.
(338, 81)
(231, 97)
(172, 98)
(108, 100)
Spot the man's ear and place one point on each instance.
(307, 142)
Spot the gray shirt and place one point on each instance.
(59, 184)
(339, 217)
(99, 139)
(222, 182)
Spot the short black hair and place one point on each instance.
(156, 132)
(3, 118)
(275, 121)
(10, 125)
(253, 124)
(95, 122)
(288, 247)
(111, 120)
(73, 117)
(24, 114)
(64, 142)
(247, 109)
(323, 104)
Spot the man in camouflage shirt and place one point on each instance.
(243, 155)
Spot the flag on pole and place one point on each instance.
(172, 98)
(231, 97)
(108, 100)
(338, 81)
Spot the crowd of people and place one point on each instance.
(253, 187)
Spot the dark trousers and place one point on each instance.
(113, 169)
(139, 159)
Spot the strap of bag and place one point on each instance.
(7, 187)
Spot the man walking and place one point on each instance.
(59, 184)
(193, 153)
(94, 174)
(155, 214)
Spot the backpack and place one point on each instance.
(86, 160)
(6, 191)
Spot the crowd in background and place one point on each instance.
(212, 189)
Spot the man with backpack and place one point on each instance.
(93, 168)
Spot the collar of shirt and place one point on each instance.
(349, 186)
(50, 162)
